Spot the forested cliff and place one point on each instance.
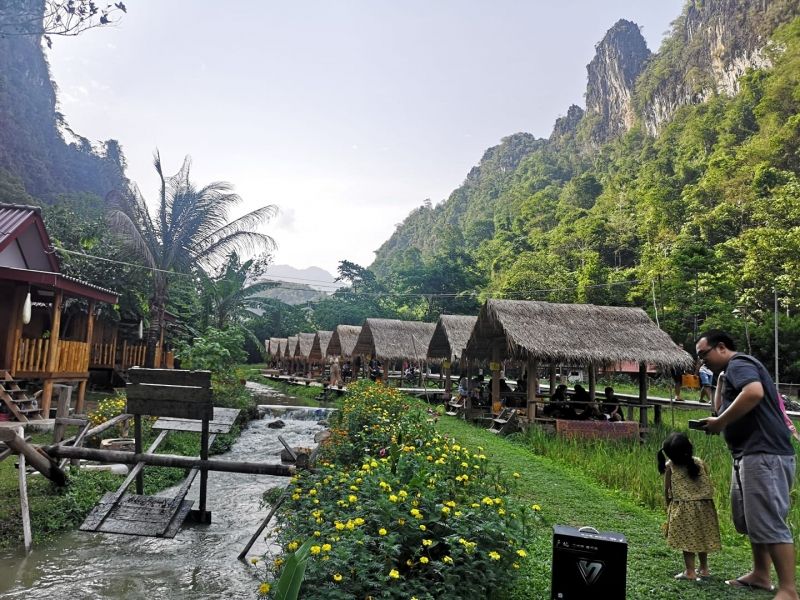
(676, 188)
(36, 161)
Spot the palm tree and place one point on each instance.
(190, 231)
(232, 296)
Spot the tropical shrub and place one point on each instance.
(396, 510)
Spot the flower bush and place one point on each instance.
(396, 510)
(107, 409)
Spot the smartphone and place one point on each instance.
(697, 424)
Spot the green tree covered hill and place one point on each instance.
(696, 217)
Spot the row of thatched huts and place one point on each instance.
(530, 332)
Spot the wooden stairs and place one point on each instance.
(15, 399)
(505, 422)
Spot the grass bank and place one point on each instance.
(570, 496)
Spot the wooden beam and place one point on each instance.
(23, 504)
(495, 368)
(94, 431)
(171, 460)
(592, 382)
(39, 461)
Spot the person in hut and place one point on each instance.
(336, 374)
(347, 371)
(585, 408)
(611, 408)
(559, 406)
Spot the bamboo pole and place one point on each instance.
(38, 461)
(171, 460)
(23, 496)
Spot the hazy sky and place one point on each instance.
(346, 115)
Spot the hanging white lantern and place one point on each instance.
(26, 310)
(141, 328)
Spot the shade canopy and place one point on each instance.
(304, 343)
(451, 336)
(392, 339)
(291, 346)
(343, 340)
(580, 334)
(319, 348)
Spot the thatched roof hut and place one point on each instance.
(319, 348)
(273, 345)
(450, 336)
(343, 340)
(280, 346)
(291, 346)
(572, 333)
(304, 343)
(391, 339)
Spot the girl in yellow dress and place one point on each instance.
(692, 524)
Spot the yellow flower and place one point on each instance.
(358, 521)
(516, 475)
(337, 577)
(292, 546)
(254, 560)
(423, 528)
(515, 565)
(423, 560)
(392, 498)
(317, 533)
(427, 542)
(394, 574)
(326, 547)
(315, 549)
(264, 589)
(494, 555)
(445, 510)
(351, 498)
(382, 531)
(536, 507)
(522, 553)
(447, 560)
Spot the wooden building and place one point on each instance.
(47, 349)
(392, 340)
(448, 343)
(343, 341)
(545, 333)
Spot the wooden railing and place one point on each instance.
(103, 355)
(73, 357)
(132, 355)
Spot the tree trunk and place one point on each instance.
(153, 333)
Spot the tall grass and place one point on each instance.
(630, 466)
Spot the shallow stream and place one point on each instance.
(200, 562)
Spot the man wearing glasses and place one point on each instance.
(763, 461)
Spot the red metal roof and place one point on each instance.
(69, 285)
(15, 219)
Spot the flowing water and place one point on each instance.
(200, 562)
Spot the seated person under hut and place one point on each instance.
(611, 407)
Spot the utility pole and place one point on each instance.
(775, 299)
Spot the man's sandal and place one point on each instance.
(740, 583)
(684, 576)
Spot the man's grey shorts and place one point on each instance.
(760, 497)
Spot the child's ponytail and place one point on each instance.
(662, 461)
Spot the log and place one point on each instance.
(171, 460)
(38, 460)
(94, 431)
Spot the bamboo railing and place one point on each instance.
(73, 357)
(103, 355)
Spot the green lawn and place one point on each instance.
(568, 496)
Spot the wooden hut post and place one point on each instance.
(448, 385)
(52, 354)
(495, 368)
(89, 334)
(552, 378)
(385, 374)
(533, 386)
(643, 397)
(592, 382)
